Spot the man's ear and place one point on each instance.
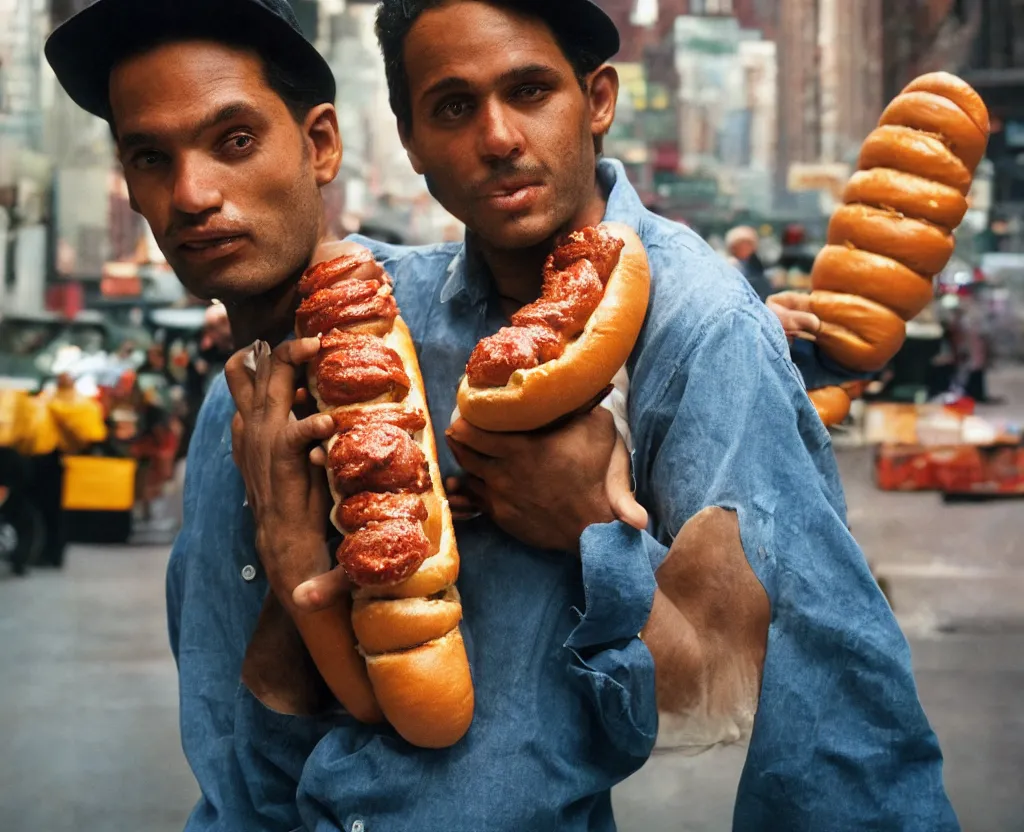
(604, 94)
(324, 137)
(407, 143)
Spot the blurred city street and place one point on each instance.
(858, 163)
(88, 709)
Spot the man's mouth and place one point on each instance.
(514, 197)
(210, 242)
(212, 247)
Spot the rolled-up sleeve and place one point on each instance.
(840, 740)
(610, 662)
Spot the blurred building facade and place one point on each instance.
(995, 66)
(729, 110)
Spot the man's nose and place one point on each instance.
(500, 138)
(196, 190)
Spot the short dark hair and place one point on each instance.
(289, 83)
(396, 17)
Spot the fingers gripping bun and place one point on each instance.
(539, 396)
(872, 276)
(860, 334)
(920, 246)
(934, 114)
(910, 195)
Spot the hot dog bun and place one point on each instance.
(874, 276)
(956, 90)
(858, 333)
(539, 396)
(930, 112)
(409, 643)
(907, 194)
(895, 231)
(914, 152)
(831, 403)
(920, 246)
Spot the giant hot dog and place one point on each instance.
(564, 349)
(894, 232)
(398, 544)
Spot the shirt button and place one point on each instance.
(358, 826)
(249, 572)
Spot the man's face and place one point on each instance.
(500, 126)
(218, 167)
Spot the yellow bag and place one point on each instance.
(35, 432)
(79, 422)
(96, 483)
(11, 407)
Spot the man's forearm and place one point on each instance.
(708, 630)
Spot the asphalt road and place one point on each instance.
(88, 704)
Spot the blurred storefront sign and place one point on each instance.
(830, 177)
(828, 180)
(686, 191)
(120, 280)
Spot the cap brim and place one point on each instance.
(584, 21)
(83, 50)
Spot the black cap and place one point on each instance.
(582, 21)
(84, 49)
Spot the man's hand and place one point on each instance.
(545, 488)
(287, 493)
(793, 309)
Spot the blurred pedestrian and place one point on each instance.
(64, 423)
(742, 243)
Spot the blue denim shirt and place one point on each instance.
(564, 687)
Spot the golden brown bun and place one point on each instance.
(935, 114)
(956, 90)
(872, 276)
(910, 195)
(920, 246)
(426, 692)
(859, 334)
(832, 404)
(387, 626)
(537, 397)
(911, 151)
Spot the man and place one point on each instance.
(741, 243)
(504, 125)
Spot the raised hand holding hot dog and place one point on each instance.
(894, 232)
(545, 488)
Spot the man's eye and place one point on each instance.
(452, 110)
(147, 159)
(530, 92)
(239, 144)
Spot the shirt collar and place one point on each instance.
(467, 272)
